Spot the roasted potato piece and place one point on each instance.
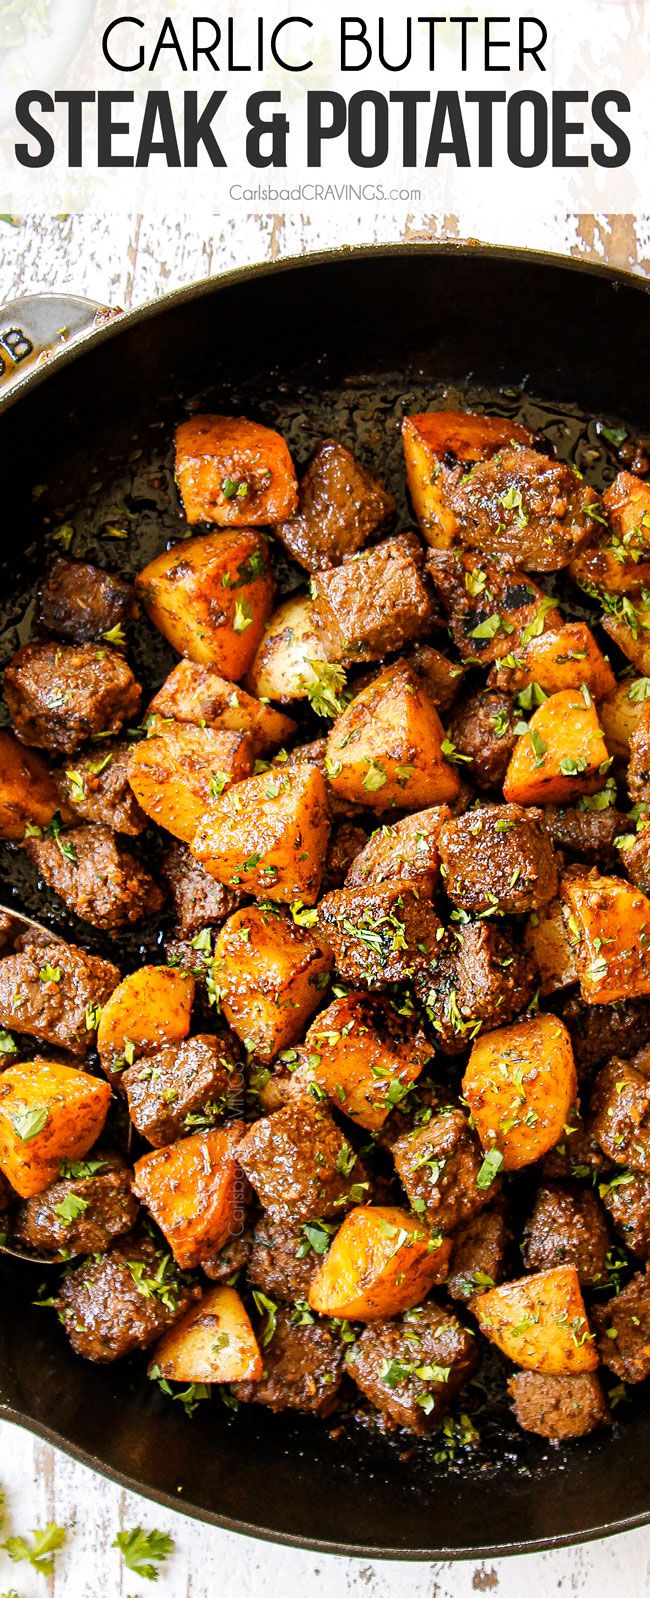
(382, 1261)
(214, 1342)
(562, 755)
(234, 472)
(28, 795)
(195, 1192)
(380, 934)
(619, 561)
(48, 1112)
(178, 773)
(548, 942)
(608, 922)
(268, 835)
(439, 447)
(291, 656)
(199, 695)
(492, 613)
(540, 1322)
(374, 603)
(359, 1054)
(270, 975)
(210, 597)
(620, 713)
(563, 658)
(408, 849)
(520, 1084)
(340, 506)
(387, 747)
(629, 626)
(638, 772)
(152, 1006)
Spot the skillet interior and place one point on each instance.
(341, 346)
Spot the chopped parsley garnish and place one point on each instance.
(489, 1170)
(326, 689)
(142, 1550)
(40, 1549)
(268, 1307)
(243, 616)
(70, 1208)
(27, 1123)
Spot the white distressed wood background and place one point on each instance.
(123, 260)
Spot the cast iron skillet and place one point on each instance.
(341, 343)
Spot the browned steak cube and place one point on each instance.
(54, 992)
(443, 678)
(477, 1260)
(59, 695)
(636, 860)
(620, 1115)
(96, 787)
(300, 1165)
(623, 1330)
(408, 849)
(81, 602)
(577, 1155)
(567, 1227)
(340, 506)
(345, 845)
(411, 1368)
(440, 1167)
(283, 1258)
(626, 1198)
(375, 603)
(184, 1087)
(523, 509)
(96, 876)
(124, 1300)
(488, 608)
(303, 1367)
(638, 772)
(378, 934)
(600, 1030)
(197, 900)
(499, 856)
(558, 1407)
(231, 1259)
(480, 977)
(83, 1213)
(587, 833)
(482, 730)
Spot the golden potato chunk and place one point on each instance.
(561, 756)
(547, 939)
(214, 1342)
(177, 774)
(199, 695)
(608, 922)
(620, 713)
(28, 795)
(210, 597)
(440, 446)
(291, 655)
(540, 1322)
(234, 472)
(359, 1053)
(520, 1083)
(382, 1261)
(48, 1113)
(268, 835)
(152, 1006)
(565, 657)
(629, 627)
(270, 975)
(195, 1191)
(387, 747)
(619, 560)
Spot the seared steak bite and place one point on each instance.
(558, 1407)
(303, 1367)
(83, 1213)
(374, 603)
(567, 1227)
(59, 695)
(124, 1300)
(623, 1330)
(626, 1197)
(498, 856)
(283, 1257)
(478, 1257)
(82, 603)
(482, 730)
(184, 1087)
(440, 1166)
(523, 509)
(95, 787)
(379, 934)
(340, 506)
(96, 876)
(412, 1368)
(54, 992)
(300, 1165)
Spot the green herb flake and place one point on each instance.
(143, 1550)
(243, 616)
(40, 1549)
(489, 1170)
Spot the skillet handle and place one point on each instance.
(34, 328)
